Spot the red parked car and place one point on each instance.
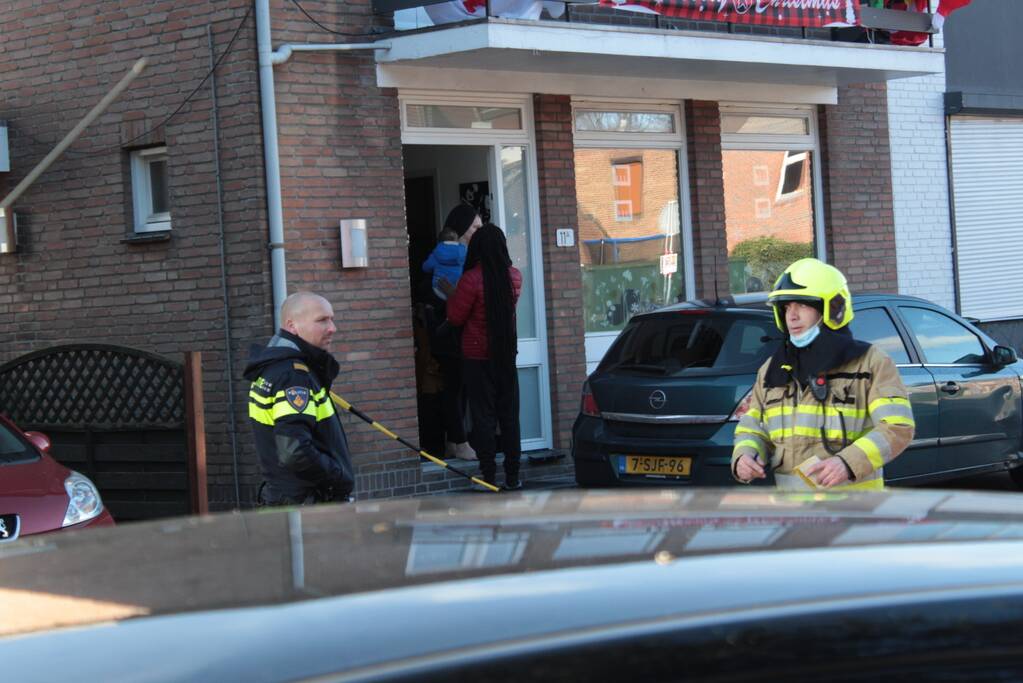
(38, 494)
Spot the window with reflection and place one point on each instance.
(624, 122)
(629, 236)
(875, 326)
(942, 339)
(456, 116)
(769, 214)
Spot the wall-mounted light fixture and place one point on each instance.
(8, 231)
(354, 248)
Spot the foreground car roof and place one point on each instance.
(304, 590)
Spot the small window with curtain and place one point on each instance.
(150, 190)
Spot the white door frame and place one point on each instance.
(532, 352)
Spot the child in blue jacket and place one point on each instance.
(446, 261)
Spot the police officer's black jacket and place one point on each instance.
(299, 437)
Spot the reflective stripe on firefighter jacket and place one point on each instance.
(866, 418)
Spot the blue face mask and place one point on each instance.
(803, 340)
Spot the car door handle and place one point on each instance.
(950, 387)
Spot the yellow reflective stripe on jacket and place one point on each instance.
(876, 447)
(261, 415)
(319, 406)
(755, 444)
(751, 428)
(264, 400)
(801, 430)
(814, 409)
(893, 411)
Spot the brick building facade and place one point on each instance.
(82, 274)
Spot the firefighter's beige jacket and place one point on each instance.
(867, 405)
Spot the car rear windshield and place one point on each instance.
(12, 448)
(701, 343)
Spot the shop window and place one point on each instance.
(629, 236)
(150, 190)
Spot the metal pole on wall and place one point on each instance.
(7, 244)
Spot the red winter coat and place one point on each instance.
(467, 309)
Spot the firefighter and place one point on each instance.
(301, 443)
(823, 396)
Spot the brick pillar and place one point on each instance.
(562, 276)
(341, 157)
(707, 198)
(857, 172)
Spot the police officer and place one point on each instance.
(823, 396)
(303, 452)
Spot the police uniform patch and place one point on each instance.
(297, 397)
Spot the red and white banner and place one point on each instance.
(809, 13)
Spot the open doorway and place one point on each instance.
(437, 178)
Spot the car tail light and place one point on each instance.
(84, 503)
(590, 406)
(743, 407)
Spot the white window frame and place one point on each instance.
(145, 220)
(790, 159)
(416, 135)
(810, 142)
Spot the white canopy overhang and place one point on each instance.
(512, 55)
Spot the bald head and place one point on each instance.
(310, 317)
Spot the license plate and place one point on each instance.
(10, 525)
(658, 465)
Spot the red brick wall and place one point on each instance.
(858, 188)
(706, 191)
(340, 146)
(562, 279)
(74, 279)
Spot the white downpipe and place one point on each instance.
(271, 158)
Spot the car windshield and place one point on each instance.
(699, 343)
(12, 448)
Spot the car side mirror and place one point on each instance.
(40, 441)
(1004, 355)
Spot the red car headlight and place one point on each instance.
(84, 503)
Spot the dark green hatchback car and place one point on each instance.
(662, 406)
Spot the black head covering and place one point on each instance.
(460, 218)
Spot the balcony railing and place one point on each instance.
(875, 24)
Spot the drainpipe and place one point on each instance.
(271, 158)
